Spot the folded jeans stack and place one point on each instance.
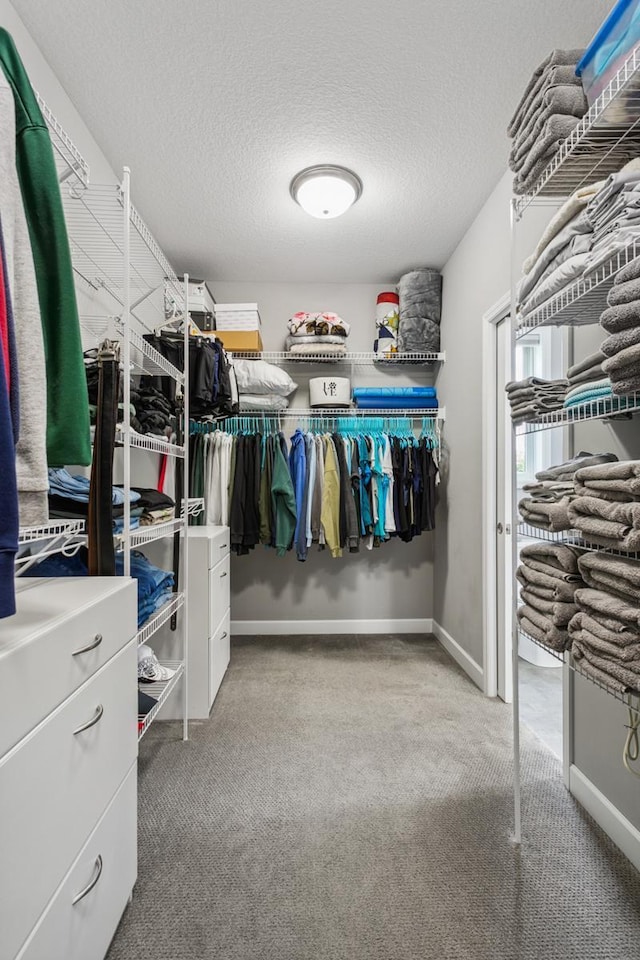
(606, 509)
(69, 499)
(550, 109)
(533, 397)
(621, 320)
(317, 334)
(549, 577)
(546, 505)
(605, 631)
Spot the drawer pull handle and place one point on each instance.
(97, 640)
(97, 873)
(223, 635)
(90, 723)
(223, 574)
(223, 546)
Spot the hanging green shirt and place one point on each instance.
(68, 440)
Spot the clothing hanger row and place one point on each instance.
(401, 427)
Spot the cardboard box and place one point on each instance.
(240, 340)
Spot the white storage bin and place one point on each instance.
(330, 392)
(237, 316)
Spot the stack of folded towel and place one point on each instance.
(532, 397)
(394, 398)
(621, 320)
(547, 502)
(593, 391)
(614, 213)
(317, 334)
(549, 577)
(587, 370)
(549, 110)
(606, 509)
(605, 630)
(420, 293)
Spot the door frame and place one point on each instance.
(490, 641)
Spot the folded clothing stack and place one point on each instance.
(606, 509)
(155, 586)
(587, 370)
(532, 397)
(317, 334)
(614, 213)
(621, 320)
(550, 109)
(605, 630)
(69, 499)
(549, 577)
(156, 507)
(395, 398)
(420, 293)
(262, 385)
(546, 505)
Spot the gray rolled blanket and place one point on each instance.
(614, 525)
(420, 309)
(615, 614)
(621, 317)
(615, 575)
(621, 341)
(620, 477)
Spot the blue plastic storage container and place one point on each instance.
(611, 46)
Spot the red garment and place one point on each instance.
(163, 471)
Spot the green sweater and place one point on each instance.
(67, 401)
(284, 502)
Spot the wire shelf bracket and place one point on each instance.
(69, 161)
(362, 358)
(159, 619)
(160, 692)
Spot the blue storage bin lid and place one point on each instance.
(619, 11)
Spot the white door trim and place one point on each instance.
(489, 482)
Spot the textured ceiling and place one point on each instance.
(216, 105)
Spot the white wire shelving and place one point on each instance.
(584, 300)
(160, 692)
(195, 506)
(335, 413)
(362, 358)
(143, 441)
(566, 657)
(603, 140)
(158, 620)
(70, 163)
(594, 410)
(57, 536)
(572, 538)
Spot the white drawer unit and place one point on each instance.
(80, 921)
(58, 780)
(209, 616)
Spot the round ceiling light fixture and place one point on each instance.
(326, 191)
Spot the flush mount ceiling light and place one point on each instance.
(326, 191)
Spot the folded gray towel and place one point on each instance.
(621, 341)
(559, 67)
(558, 555)
(618, 476)
(615, 672)
(523, 415)
(538, 383)
(593, 360)
(614, 525)
(544, 96)
(546, 631)
(624, 292)
(621, 317)
(600, 676)
(550, 570)
(629, 357)
(628, 637)
(556, 129)
(626, 386)
(549, 491)
(548, 516)
(559, 613)
(595, 373)
(615, 615)
(554, 588)
(565, 100)
(609, 644)
(631, 271)
(568, 469)
(616, 575)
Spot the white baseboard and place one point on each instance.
(615, 824)
(462, 658)
(270, 628)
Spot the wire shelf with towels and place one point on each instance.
(571, 538)
(620, 407)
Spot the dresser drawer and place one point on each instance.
(63, 632)
(105, 872)
(219, 655)
(54, 787)
(219, 592)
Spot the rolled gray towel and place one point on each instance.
(620, 341)
(593, 360)
(420, 295)
(621, 317)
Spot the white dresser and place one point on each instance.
(68, 759)
(209, 616)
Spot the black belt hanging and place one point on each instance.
(102, 559)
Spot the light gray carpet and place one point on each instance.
(350, 799)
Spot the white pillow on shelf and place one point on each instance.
(259, 377)
(262, 401)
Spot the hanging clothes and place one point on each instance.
(67, 406)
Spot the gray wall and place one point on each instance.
(599, 720)
(394, 582)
